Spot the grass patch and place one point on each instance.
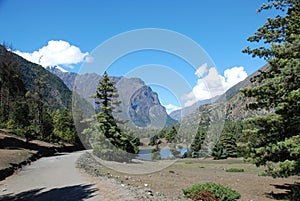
(188, 162)
(212, 191)
(262, 174)
(235, 170)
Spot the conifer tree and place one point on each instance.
(226, 146)
(108, 141)
(199, 139)
(275, 137)
(171, 134)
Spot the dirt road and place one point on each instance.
(57, 178)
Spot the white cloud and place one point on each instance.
(61, 69)
(233, 76)
(55, 53)
(213, 84)
(89, 59)
(201, 70)
(170, 108)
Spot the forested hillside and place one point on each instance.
(34, 103)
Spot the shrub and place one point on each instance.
(235, 170)
(208, 189)
(262, 174)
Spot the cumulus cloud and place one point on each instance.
(201, 70)
(170, 108)
(55, 53)
(211, 83)
(233, 76)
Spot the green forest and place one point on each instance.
(30, 106)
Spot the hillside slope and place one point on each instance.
(54, 91)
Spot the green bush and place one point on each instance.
(262, 174)
(221, 192)
(235, 170)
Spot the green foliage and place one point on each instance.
(171, 134)
(262, 174)
(64, 128)
(221, 192)
(199, 139)
(29, 133)
(153, 140)
(275, 140)
(218, 152)
(226, 146)
(235, 170)
(155, 153)
(26, 100)
(108, 141)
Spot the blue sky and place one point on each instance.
(221, 28)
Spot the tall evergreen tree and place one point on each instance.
(275, 137)
(199, 139)
(107, 139)
(64, 128)
(226, 146)
(171, 134)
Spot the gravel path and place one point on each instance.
(58, 178)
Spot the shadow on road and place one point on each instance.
(69, 193)
(292, 192)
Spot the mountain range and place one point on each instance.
(139, 104)
(232, 98)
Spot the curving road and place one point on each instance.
(57, 178)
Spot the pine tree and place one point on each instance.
(64, 128)
(275, 137)
(199, 139)
(108, 141)
(171, 134)
(226, 145)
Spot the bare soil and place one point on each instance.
(184, 172)
(12, 150)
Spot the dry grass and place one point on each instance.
(185, 172)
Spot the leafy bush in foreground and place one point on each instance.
(211, 190)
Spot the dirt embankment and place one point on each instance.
(15, 152)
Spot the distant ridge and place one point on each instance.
(231, 92)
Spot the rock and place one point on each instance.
(149, 192)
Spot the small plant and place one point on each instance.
(262, 174)
(199, 191)
(235, 170)
(189, 162)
